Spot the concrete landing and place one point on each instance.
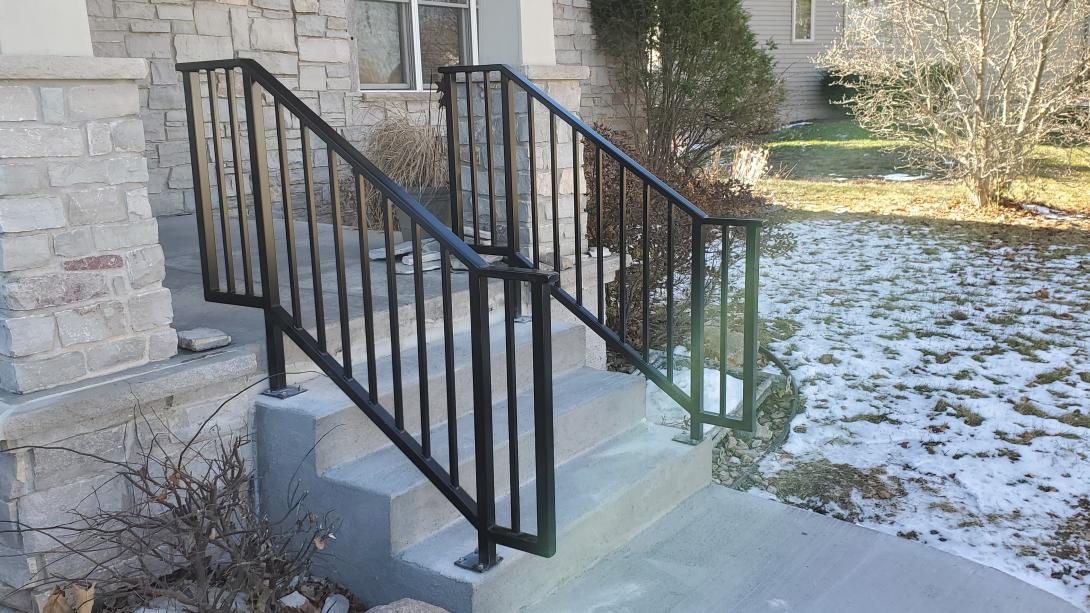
(723, 550)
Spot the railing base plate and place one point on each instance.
(688, 440)
(286, 392)
(473, 562)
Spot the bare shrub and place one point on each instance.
(974, 85)
(191, 532)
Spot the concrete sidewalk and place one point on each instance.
(726, 551)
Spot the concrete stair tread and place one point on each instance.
(585, 485)
(388, 472)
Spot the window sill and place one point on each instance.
(372, 95)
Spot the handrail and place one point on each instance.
(473, 80)
(397, 424)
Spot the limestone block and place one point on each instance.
(334, 8)
(18, 103)
(54, 506)
(102, 101)
(145, 266)
(169, 96)
(175, 11)
(203, 339)
(91, 323)
(277, 63)
(151, 25)
(137, 10)
(151, 309)
(121, 236)
(240, 28)
(162, 344)
(96, 205)
(137, 203)
(173, 154)
(94, 262)
(32, 375)
(163, 73)
(57, 467)
(310, 25)
(21, 179)
(128, 169)
(280, 5)
(23, 336)
(127, 135)
(29, 213)
(35, 142)
(75, 172)
(74, 243)
(312, 78)
(98, 138)
(305, 6)
(151, 46)
(324, 50)
(211, 19)
(22, 252)
(196, 48)
(114, 354)
(272, 34)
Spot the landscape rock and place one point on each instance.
(203, 339)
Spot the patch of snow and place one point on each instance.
(666, 410)
(901, 177)
(1049, 213)
(797, 124)
(938, 359)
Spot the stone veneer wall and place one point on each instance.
(305, 43)
(80, 263)
(577, 45)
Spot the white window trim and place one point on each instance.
(794, 21)
(414, 57)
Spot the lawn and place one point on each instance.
(943, 355)
(836, 166)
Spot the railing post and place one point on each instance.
(696, 337)
(485, 557)
(266, 240)
(749, 328)
(540, 301)
(454, 153)
(202, 193)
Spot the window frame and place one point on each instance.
(410, 46)
(795, 21)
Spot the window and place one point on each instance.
(802, 20)
(402, 43)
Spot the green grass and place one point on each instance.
(837, 166)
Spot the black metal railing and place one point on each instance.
(656, 231)
(230, 224)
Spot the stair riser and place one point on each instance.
(346, 434)
(422, 510)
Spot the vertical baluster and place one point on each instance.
(454, 154)
(240, 190)
(646, 258)
(221, 181)
(622, 301)
(724, 265)
(365, 272)
(289, 221)
(598, 206)
(555, 192)
(491, 160)
(534, 230)
(421, 343)
(510, 296)
(576, 164)
(510, 164)
(312, 234)
(198, 156)
(543, 416)
(473, 196)
(669, 290)
(448, 359)
(696, 335)
(391, 298)
(482, 420)
(338, 248)
(749, 325)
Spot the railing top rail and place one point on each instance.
(428, 222)
(599, 141)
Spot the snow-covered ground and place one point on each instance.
(946, 379)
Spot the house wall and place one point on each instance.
(577, 45)
(771, 20)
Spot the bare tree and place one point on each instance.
(974, 85)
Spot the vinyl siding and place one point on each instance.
(771, 20)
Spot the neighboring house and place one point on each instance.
(800, 30)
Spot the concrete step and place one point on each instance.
(338, 432)
(604, 497)
(589, 406)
